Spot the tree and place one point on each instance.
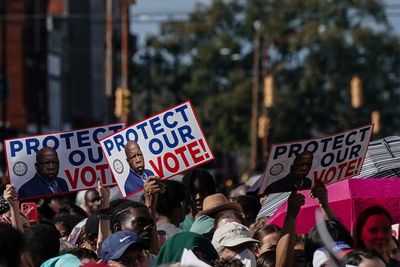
(313, 48)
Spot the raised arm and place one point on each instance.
(152, 187)
(285, 246)
(104, 215)
(320, 192)
(10, 195)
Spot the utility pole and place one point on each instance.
(3, 81)
(108, 56)
(254, 104)
(124, 88)
(108, 61)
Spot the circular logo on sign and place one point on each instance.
(276, 169)
(118, 166)
(20, 168)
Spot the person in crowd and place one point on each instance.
(224, 216)
(269, 236)
(335, 228)
(12, 247)
(137, 173)
(171, 251)
(285, 249)
(394, 249)
(338, 233)
(266, 259)
(42, 243)
(136, 217)
(373, 231)
(62, 260)
(364, 258)
(83, 254)
(12, 210)
(55, 203)
(297, 178)
(80, 199)
(216, 206)
(124, 249)
(45, 180)
(241, 190)
(92, 201)
(89, 233)
(234, 240)
(171, 207)
(72, 209)
(227, 263)
(250, 206)
(199, 184)
(299, 256)
(65, 223)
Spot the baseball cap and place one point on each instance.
(231, 234)
(117, 243)
(321, 255)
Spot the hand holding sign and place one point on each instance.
(298, 165)
(295, 201)
(166, 144)
(56, 163)
(152, 187)
(10, 195)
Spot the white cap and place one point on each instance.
(231, 234)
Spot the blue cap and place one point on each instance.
(116, 244)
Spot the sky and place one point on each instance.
(147, 14)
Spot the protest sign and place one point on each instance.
(80, 161)
(168, 143)
(298, 165)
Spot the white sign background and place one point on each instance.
(171, 142)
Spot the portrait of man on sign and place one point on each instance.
(297, 178)
(45, 180)
(137, 173)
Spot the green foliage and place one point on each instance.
(312, 48)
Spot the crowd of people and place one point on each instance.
(185, 223)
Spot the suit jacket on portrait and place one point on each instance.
(135, 181)
(288, 184)
(38, 186)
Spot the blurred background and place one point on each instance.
(257, 72)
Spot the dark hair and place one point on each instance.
(229, 262)
(362, 219)
(313, 241)
(12, 245)
(121, 212)
(171, 198)
(206, 181)
(267, 259)
(250, 207)
(42, 242)
(266, 230)
(67, 220)
(84, 253)
(356, 256)
(70, 208)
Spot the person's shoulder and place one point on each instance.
(63, 183)
(28, 188)
(29, 183)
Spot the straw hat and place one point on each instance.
(218, 202)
